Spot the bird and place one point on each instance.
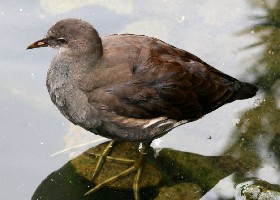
(129, 87)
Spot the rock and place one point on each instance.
(86, 162)
(257, 190)
(186, 191)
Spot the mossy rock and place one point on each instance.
(256, 189)
(170, 173)
(85, 166)
(186, 191)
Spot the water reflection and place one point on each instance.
(258, 131)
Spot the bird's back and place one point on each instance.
(154, 79)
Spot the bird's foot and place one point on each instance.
(136, 167)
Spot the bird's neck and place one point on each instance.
(85, 57)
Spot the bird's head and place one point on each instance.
(70, 34)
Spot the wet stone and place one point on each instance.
(186, 191)
(257, 189)
(206, 171)
(182, 175)
(85, 165)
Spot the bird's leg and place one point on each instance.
(137, 166)
(104, 156)
(102, 159)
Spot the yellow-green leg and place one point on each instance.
(137, 166)
(102, 159)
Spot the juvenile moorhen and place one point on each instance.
(131, 87)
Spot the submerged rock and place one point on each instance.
(86, 162)
(170, 173)
(257, 190)
(186, 191)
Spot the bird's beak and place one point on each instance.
(40, 43)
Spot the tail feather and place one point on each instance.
(246, 90)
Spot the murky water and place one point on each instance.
(240, 38)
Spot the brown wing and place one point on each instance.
(167, 81)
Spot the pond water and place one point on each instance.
(239, 38)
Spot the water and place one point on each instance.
(33, 132)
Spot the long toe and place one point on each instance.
(102, 159)
(131, 176)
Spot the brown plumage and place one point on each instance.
(131, 87)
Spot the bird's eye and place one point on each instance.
(61, 40)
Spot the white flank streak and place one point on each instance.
(153, 121)
(164, 123)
